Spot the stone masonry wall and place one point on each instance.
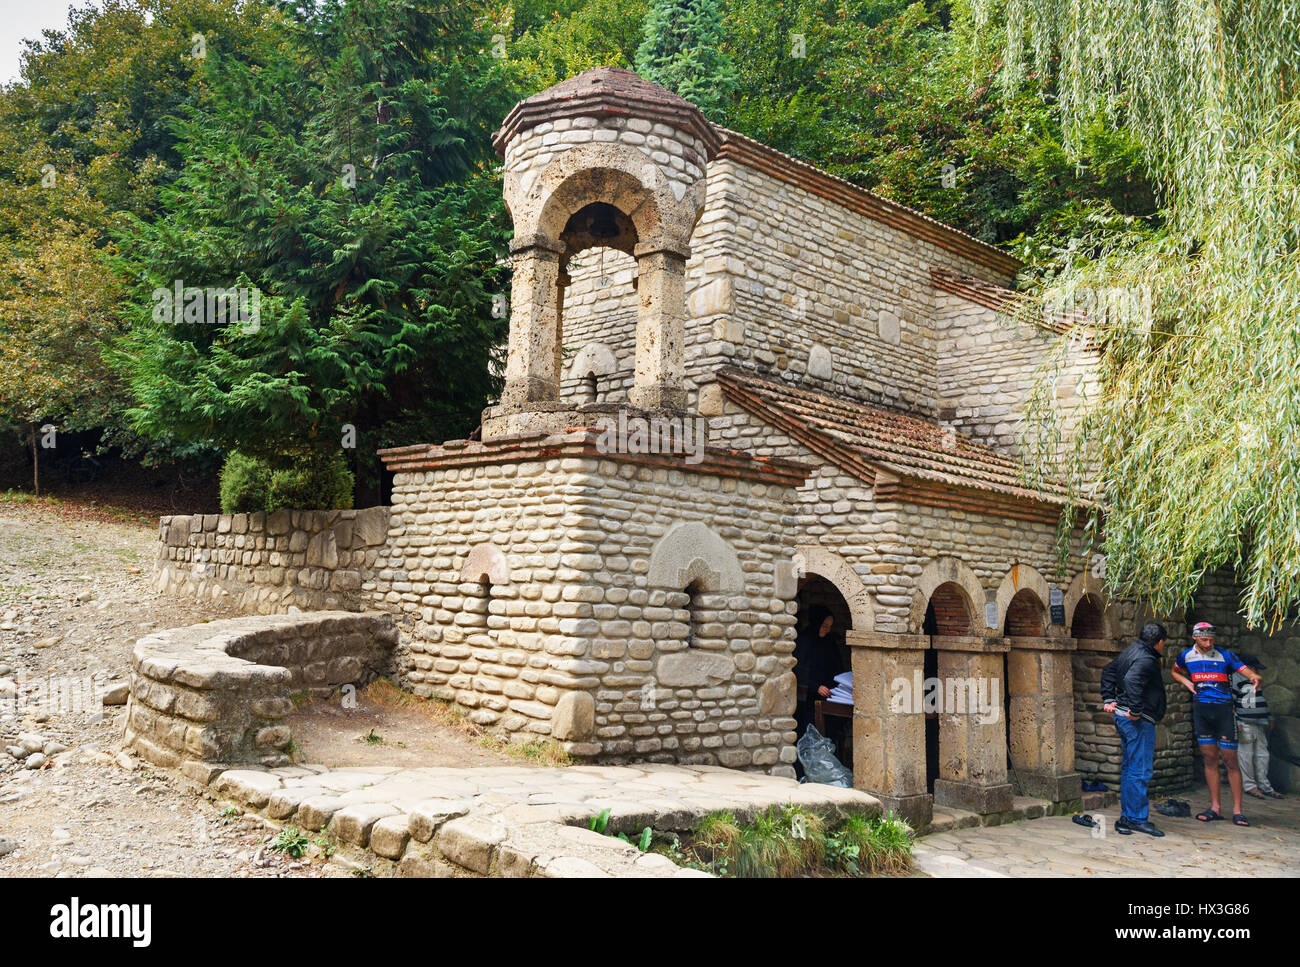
(785, 282)
(308, 559)
(988, 366)
(569, 636)
(220, 692)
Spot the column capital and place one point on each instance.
(1026, 643)
(972, 643)
(885, 639)
(537, 243)
(681, 250)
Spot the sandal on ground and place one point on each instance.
(1255, 794)
(1208, 816)
(1274, 794)
(1083, 819)
(1239, 820)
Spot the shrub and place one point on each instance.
(308, 482)
(243, 485)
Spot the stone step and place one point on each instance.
(946, 818)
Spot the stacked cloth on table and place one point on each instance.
(843, 690)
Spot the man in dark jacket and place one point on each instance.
(1133, 688)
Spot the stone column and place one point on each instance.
(659, 381)
(1040, 681)
(533, 350)
(972, 749)
(889, 743)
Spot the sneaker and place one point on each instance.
(1123, 827)
(1147, 827)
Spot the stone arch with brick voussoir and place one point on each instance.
(965, 749)
(1089, 615)
(1038, 689)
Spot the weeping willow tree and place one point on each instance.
(1191, 430)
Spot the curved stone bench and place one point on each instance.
(219, 692)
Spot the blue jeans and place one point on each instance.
(1138, 740)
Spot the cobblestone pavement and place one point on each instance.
(516, 821)
(1058, 847)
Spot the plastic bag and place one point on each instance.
(817, 756)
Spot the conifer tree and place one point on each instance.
(683, 52)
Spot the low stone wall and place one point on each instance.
(219, 692)
(308, 559)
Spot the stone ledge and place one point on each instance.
(218, 692)
(505, 821)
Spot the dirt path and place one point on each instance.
(75, 594)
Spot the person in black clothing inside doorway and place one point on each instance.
(817, 662)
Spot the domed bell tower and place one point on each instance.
(602, 159)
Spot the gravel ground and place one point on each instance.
(75, 594)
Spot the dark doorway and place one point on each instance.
(818, 659)
(930, 670)
(1087, 621)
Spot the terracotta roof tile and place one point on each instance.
(863, 439)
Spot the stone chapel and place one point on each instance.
(858, 391)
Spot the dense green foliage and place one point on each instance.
(682, 51)
(347, 181)
(83, 141)
(1195, 425)
(315, 482)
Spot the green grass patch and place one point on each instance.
(789, 841)
(541, 752)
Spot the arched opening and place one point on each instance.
(947, 607)
(1026, 617)
(600, 299)
(693, 592)
(930, 672)
(598, 304)
(1088, 621)
(819, 659)
(946, 615)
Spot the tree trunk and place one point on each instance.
(36, 464)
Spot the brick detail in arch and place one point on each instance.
(1025, 618)
(950, 614)
(1087, 621)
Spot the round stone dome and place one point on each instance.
(607, 92)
